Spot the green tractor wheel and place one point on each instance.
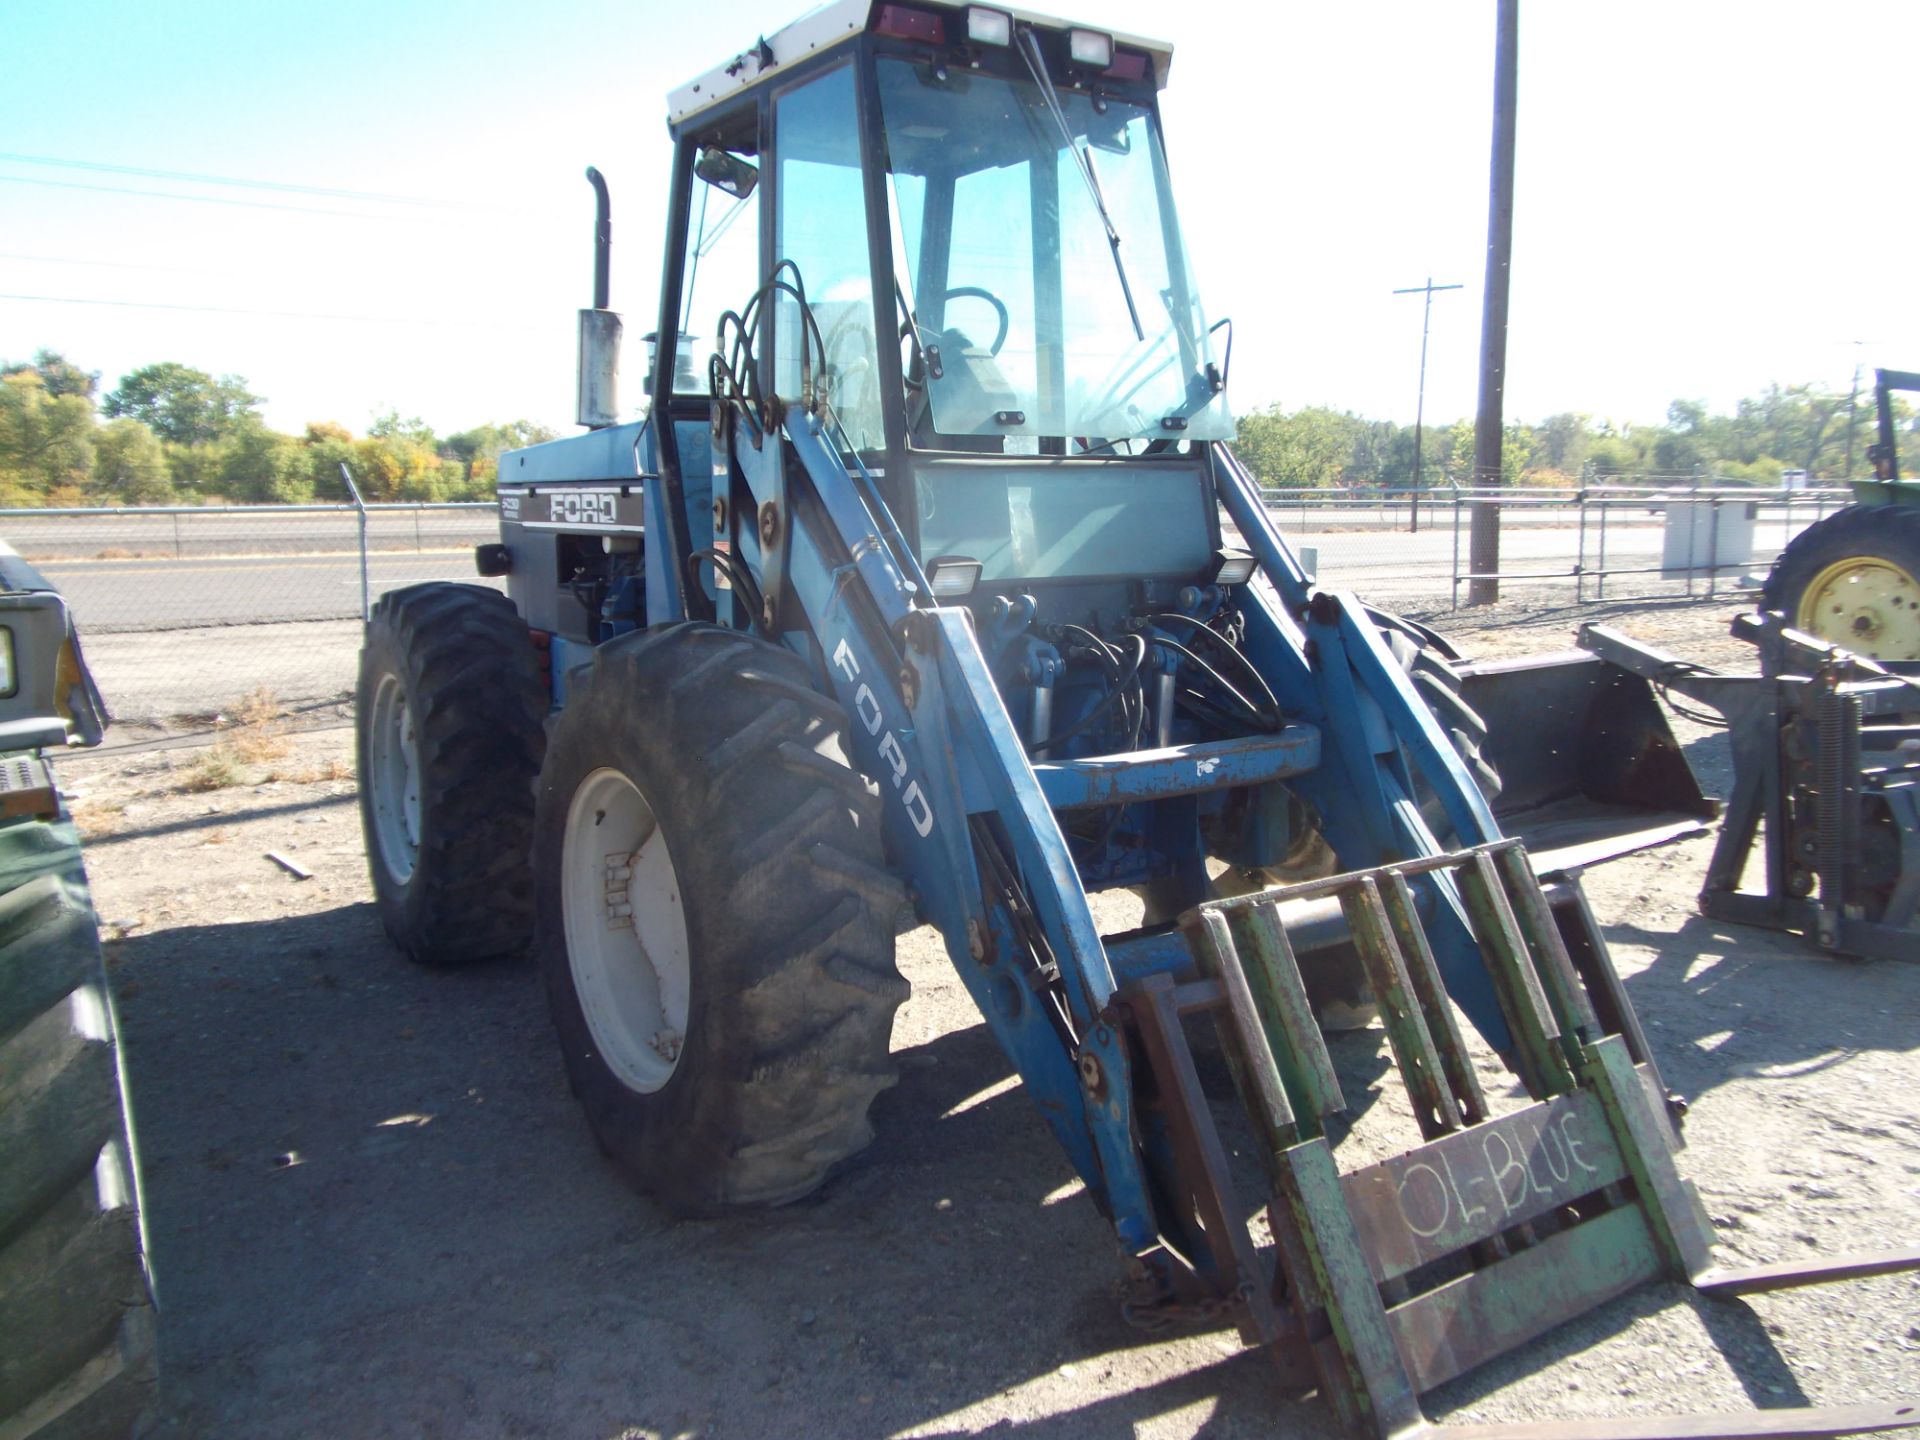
(1854, 579)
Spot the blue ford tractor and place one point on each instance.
(929, 590)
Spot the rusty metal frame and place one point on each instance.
(1394, 1278)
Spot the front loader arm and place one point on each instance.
(959, 799)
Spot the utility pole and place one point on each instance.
(1853, 397)
(1420, 404)
(1488, 429)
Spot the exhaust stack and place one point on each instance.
(600, 328)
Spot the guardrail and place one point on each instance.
(172, 598)
(180, 531)
(1595, 509)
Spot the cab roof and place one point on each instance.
(838, 23)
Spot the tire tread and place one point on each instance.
(789, 905)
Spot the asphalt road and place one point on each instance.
(157, 594)
(174, 637)
(148, 593)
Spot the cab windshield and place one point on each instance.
(1023, 317)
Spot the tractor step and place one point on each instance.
(1393, 1278)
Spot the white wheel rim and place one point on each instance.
(626, 931)
(394, 784)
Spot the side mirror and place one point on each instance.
(726, 171)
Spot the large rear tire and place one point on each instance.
(1854, 579)
(77, 1351)
(449, 717)
(715, 919)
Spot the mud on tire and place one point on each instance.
(449, 673)
(77, 1354)
(789, 917)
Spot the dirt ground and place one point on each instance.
(374, 1210)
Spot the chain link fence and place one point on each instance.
(1597, 542)
(184, 610)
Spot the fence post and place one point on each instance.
(1713, 547)
(1580, 560)
(366, 602)
(1693, 532)
(1600, 571)
(176, 535)
(1455, 484)
(416, 530)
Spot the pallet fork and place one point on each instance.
(1392, 1279)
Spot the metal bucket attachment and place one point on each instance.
(1391, 1279)
(1589, 768)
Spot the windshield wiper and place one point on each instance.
(1083, 162)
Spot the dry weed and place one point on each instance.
(257, 728)
(95, 818)
(252, 735)
(216, 768)
(313, 772)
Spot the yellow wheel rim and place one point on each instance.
(1869, 605)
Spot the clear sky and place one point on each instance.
(1711, 197)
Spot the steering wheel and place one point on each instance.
(975, 292)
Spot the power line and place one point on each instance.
(272, 314)
(286, 187)
(209, 199)
(117, 264)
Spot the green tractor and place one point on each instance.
(1854, 577)
(77, 1354)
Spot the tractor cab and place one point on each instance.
(952, 232)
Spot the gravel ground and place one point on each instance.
(375, 1211)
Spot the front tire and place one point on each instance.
(715, 919)
(449, 728)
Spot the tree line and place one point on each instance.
(171, 434)
(1794, 427)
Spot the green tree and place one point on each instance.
(263, 467)
(60, 375)
(327, 446)
(413, 430)
(1516, 452)
(1563, 442)
(1310, 447)
(194, 470)
(181, 404)
(129, 465)
(46, 441)
(486, 442)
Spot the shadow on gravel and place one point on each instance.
(1722, 1002)
(376, 1211)
(215, 820)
